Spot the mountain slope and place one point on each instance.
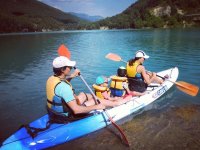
(32, 15)
(154, 13)
(87, 17)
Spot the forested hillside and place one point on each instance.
(32, 15)
(156, 14)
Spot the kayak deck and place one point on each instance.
(61, 133)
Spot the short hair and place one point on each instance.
(58, 71)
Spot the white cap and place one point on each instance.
(63, 61)
(141, 53)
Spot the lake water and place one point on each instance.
(26, 63)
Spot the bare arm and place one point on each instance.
(73, 75)
(147, 78)
(125, 86)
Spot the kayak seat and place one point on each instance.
(54, 117)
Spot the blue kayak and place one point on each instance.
(62, 133)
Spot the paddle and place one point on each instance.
(63, 51)
(185, 87)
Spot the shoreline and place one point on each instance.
(95, 30)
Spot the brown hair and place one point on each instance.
(131, 61)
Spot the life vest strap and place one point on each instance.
(54, 117)
(33, 132)
(54, 103)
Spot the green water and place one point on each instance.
(26, 63)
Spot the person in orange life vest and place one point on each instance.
(103, 93)
(60, 96)
(138, 77)
(119, 84)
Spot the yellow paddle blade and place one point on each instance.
(113, 57)
(64, 51)
(187, 88)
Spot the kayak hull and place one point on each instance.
(62, 133)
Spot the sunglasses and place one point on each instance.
(70, 67)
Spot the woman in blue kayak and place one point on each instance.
(138, 77)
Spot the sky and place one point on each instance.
(104, 8)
